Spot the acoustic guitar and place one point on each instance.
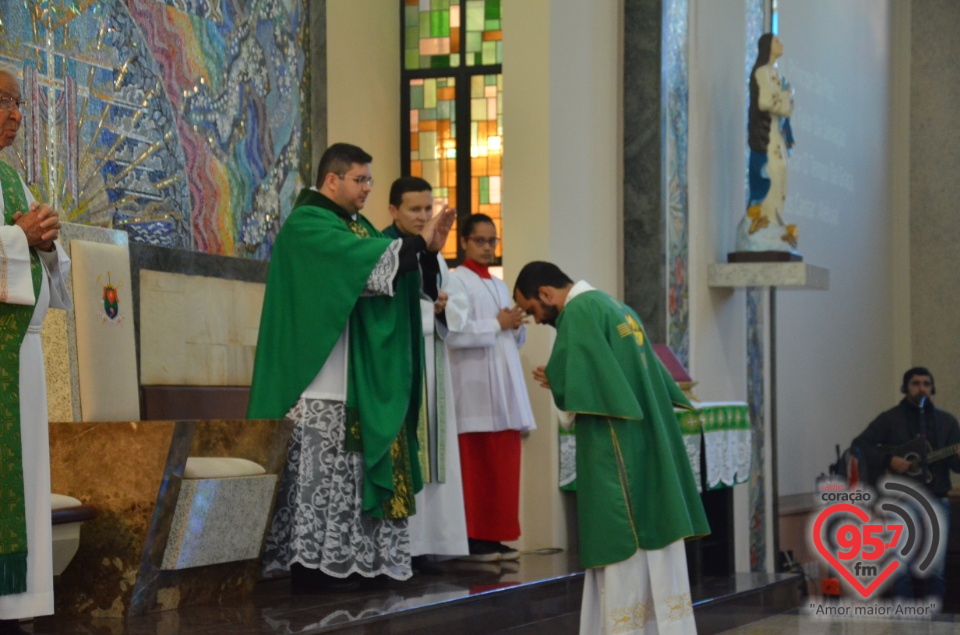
(915, 450)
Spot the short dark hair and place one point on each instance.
(407, 184)
(338, 158)
(913, 372)
(538, 274)
(467, 225)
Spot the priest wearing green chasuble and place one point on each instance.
(33, 271)
(636, 495)
(340, 353)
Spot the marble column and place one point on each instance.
(933, 228)
(644, 274)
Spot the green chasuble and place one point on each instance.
(635, 488)
(320, 264)
(14, 320)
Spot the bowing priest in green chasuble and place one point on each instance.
(340, 352)
(636, 495)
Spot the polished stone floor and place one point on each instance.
(275, 610)
(539, 595)
(796, 622)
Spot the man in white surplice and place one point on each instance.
(439, 528)
(32, 272)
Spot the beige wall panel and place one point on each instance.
(162, 316)
(197, 331)
(60, 334)
(106, 349)
(363, 89)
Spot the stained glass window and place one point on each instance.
(484, 36)
(434, 29)
(431, 34)
(486, 147)
(446, 44)
(433, 142)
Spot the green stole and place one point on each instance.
(14, 320)
(320, 263)
(432, 450)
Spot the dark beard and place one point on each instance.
(550, 314)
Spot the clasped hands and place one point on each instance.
(511, 318)
(435, 231)
(41, 224)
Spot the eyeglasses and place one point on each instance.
(359, 180)
(8, 103)
(480, 241)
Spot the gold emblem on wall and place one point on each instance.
(111, 301)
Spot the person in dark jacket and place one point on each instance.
(917, 440)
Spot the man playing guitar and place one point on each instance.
(915, 439)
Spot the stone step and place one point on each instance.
(540, 594)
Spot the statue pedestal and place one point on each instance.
(790, 275)
(763, 256)
(772, 275)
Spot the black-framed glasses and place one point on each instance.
(480, 241)
(8, 103)
(359, 180)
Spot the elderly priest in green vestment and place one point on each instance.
(636, 496)
(33, 272)
(340, 352)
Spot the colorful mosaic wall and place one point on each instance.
(675, 176)
(433, 142)
(432, 33)
(181, 121)
(486, 148)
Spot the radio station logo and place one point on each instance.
(871, 538)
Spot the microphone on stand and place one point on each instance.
(923, 433)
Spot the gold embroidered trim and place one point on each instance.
(401, 504)
(679, 607)
(622, 473)
(630, 618)
(4, 282)
(635, 327)
(358, 229)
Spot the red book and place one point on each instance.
(672, 364)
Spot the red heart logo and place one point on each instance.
(842, 569)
